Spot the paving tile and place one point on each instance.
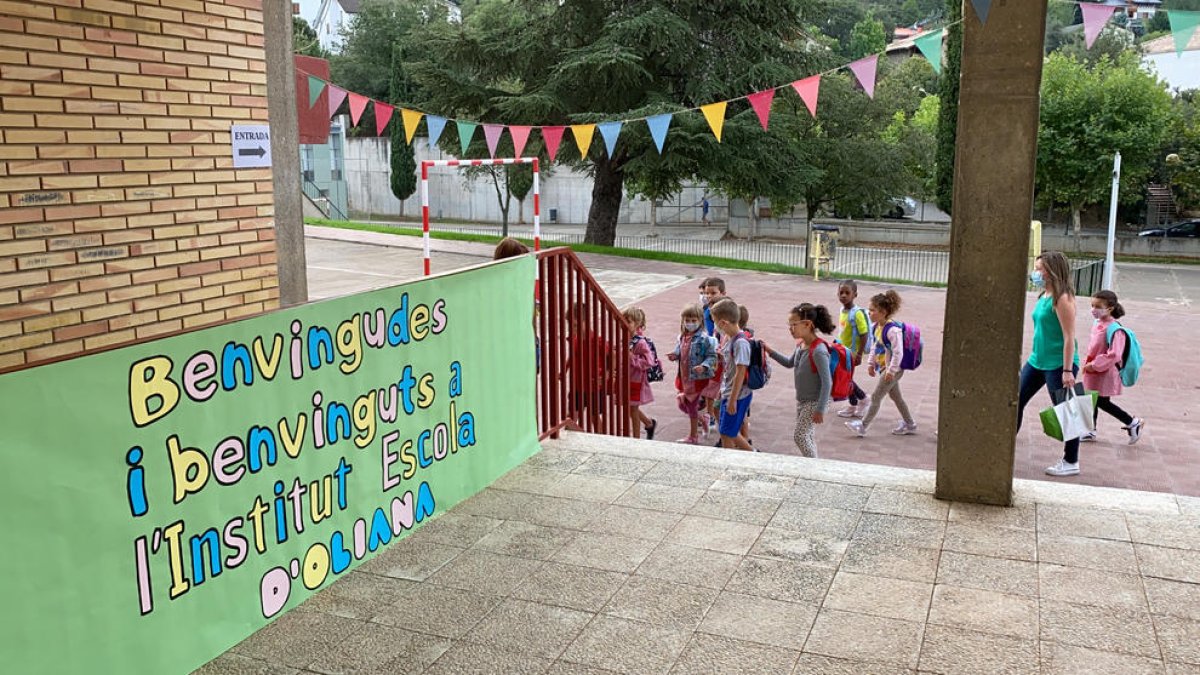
(1103, 628)
(687, 565)
(1169, 531)
(468, 658)
(525, 540)
(484, 572)
(1188, 505)
(879, 596)
(557, 459)
(780, 580)
(437, 610)
(904, 503)
(715, 535)
(984, 611)
(581, 588)
(590, 488)
(800, 517)
(381, 650)
(724, 505)
(716, 654)
(865, 638)
(571, 514)
(458, 529)
(1173, 598)
(1091, 587)
(568, 668)
(1017, 517)
(953, 651)
(682, 475)
(298, 637)
(881, 528)
(412, 559)
(358, 595)
(1169, 563)
(829, 495)
(1082, 522)
(605, 552)
(890, 560)
(815, 664)
(634, 522)
(491, 503)
(1060, 659)
(614, 466)
(526, 478)
(661, 603)
(627, 646)
(529, 628)
(757, 619)
(1181, 668)
(660, 497)
(236, 664)
(800, 547)
(1101, 554)
(753, 484)
(1179, 639)
(991, 541)
(1018, 577)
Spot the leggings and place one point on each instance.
(892, 389)
(805, 437)
(1033, 379)
(1105, 403)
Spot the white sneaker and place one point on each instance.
(850, 411)
(1063, 468)
(904, 429)
(1089, 437)
(1135, 429)
(857, 427)
(862, 406)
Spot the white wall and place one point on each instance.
(1180, 72)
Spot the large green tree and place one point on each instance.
(867, 37)
(947, 134)
(305, 40)
(403, 159)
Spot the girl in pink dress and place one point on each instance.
(641, 359)
(1101, 369)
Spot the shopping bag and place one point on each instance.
(1071, 416)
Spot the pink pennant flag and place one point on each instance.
(1094, 18)
(383, 115)
(553, 137)
(336, 96)
(864, 70)
(358, 104)
(808, 89)
(519, 135)
(761, 102)
(492, 132)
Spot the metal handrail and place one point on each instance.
(318, 197)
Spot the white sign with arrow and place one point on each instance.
(251, 146)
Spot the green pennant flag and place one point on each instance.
(931, 46)
(465, 131)
(315, 86)
(1183, 26)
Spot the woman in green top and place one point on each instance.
(1053, 345)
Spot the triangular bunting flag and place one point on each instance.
(553, 137)
(315, 86)
(336, 96)
(1094, 18)
(411, 119)
(357, 105)
(583, 137)
(465, 131)
(435, 126)
(715, 114)
(610, 131)
(1183, 25)
(864, 70)
(519, 135)
(808, 89)
(761, 102)
(492, 133)
(658, 129)
(982, 7)
(930, 45)
(383, 115)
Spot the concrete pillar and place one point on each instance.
(989, 239)
(285, 153)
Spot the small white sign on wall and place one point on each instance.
(251, 146)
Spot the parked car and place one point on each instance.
(894, 207)
(1188, 228)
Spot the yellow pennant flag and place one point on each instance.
(583, 137)
(715, 114)
(411, 119)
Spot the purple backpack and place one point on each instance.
(913, 347)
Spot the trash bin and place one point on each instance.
(822, 246)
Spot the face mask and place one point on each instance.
(1099, 313)
(1037, 279)
(703, 299)
(690, 326)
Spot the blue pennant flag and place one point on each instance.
(982, 9)
(610, 131)
(435, 125)
(658, 128)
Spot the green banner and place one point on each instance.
(163, 501)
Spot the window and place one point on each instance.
(335, 152)
(306, 163)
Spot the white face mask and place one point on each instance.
(703, 299)
(691, 326)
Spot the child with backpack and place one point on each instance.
(897, 349)
(643, 362)
(811, 364)
(696, 353)
(1112, 355)
(855, 336)
(736, 383)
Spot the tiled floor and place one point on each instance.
(600, 557)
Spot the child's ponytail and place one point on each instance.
(818, 315)
(888, 301)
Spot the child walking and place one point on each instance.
(641, 359)
(735, 357)
(889, 352)
(1101, 369)
(855, 336)
(810, 363)
(696, 353)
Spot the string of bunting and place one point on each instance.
(1095, 16)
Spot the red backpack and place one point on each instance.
(841, 367)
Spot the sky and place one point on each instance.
(308, 9)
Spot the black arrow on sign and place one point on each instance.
(250, 152)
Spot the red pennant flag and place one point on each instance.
(761, 102)
(552, 136)
(519, 135)
(358, 104)
(336, 96)
(808, 88)
(383, 115)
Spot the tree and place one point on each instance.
(868, 37)
(1180, 160)
(947, 134)
(1086, 116)
(403, 159)
(519, 180)
(368, 41)
(305, 40)
(498, 177)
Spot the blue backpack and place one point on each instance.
(1131, 360)
(758, 373)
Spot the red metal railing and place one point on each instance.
(584, 378)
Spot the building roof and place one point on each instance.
(1166, 44)
(349, 6)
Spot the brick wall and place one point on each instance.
(121, 216)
